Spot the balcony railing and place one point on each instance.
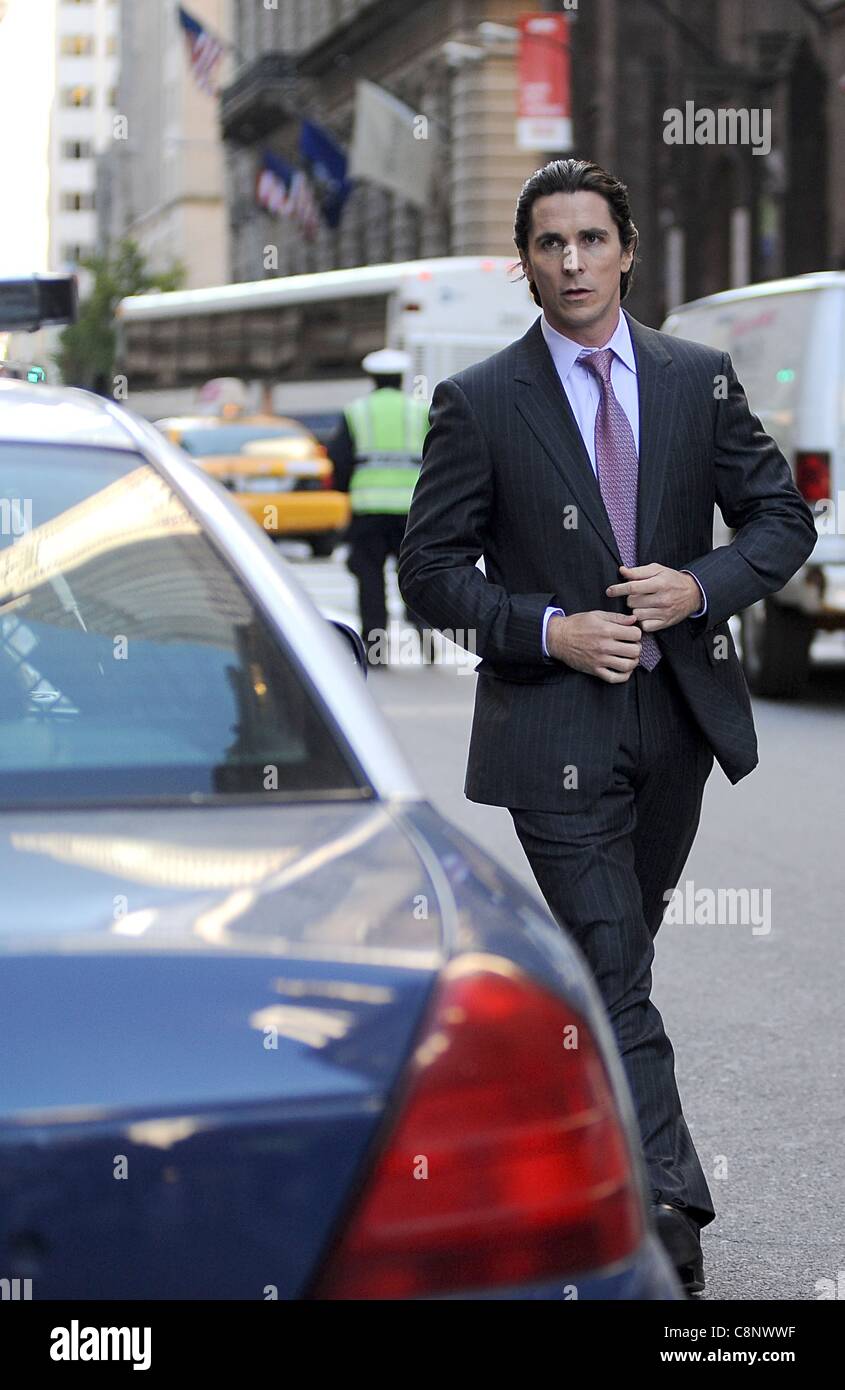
(262, 97)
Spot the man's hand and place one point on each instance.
(606, 645)
(657, 596)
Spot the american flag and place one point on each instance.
(204, 50)
(287, 192)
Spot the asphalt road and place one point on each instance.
(755, 1017)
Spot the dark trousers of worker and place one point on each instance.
(604, 872)
(371, 540)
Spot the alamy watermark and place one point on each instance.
(403, 645)
(79, 1342)
(726, 126)
(15, 516)
(688, 906)
(15, 1290)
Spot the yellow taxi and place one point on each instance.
(276, 469)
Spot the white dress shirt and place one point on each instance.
(584, 395)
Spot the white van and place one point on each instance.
(786, 340)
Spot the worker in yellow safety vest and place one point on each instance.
(377, 453)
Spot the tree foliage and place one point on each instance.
(87, 348)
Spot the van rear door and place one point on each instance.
(788, 350)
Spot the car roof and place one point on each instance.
(59, 415)
(794, 284)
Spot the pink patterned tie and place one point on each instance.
(618, 471)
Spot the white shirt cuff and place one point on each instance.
(703, 609)
(549, 613)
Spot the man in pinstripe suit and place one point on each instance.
(583, 462)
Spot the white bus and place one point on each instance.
(297, 341)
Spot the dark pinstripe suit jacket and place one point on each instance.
(503, 468)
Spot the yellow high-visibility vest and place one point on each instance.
(388, 429)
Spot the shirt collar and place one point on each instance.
(565, 351)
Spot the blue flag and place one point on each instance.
(327, 165)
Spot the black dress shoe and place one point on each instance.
(682, 1242)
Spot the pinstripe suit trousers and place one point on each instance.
(604, 869)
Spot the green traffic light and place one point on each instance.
(786, 374)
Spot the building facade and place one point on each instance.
(710, 215)
(161, 179)
(763, 199)
(80, 124)
(303, 57)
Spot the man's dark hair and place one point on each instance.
(576, 176)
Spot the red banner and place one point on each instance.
(545, 112)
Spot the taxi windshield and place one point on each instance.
(134, 664)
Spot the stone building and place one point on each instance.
(86, 39)
(712, 216)
(303, 59)
(709, 215)
(161, 182)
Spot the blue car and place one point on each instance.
(269, 1026)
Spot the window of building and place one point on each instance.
(78, 45)
(73, 252)
(111, 97)
(77, 96)
(77, 149)
(77, 202)
(111, 45)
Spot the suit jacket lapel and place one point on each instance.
(658, 398)
(543, 403)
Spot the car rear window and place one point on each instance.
(230, 439)
(133, 662)
(323, 425)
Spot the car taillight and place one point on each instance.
(326, 480)
(507, 1164)
(812, 476)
